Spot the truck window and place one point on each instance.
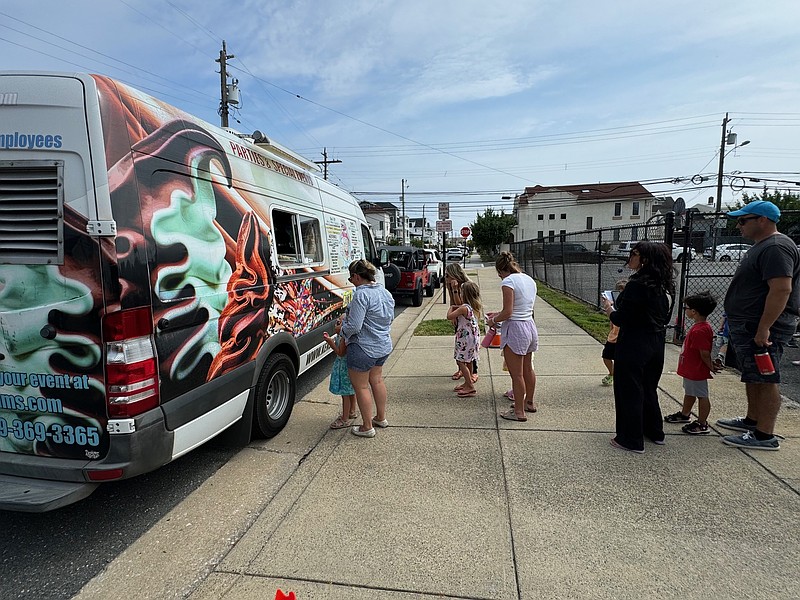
(298, 240)
(312, 240)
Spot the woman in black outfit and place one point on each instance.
(642, 314)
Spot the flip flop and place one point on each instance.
(509, 394)
(468, 394)
(456, 376)
(527, 408)
(510, 415)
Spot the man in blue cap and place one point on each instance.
(762, 305)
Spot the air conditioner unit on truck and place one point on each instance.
(162, 280)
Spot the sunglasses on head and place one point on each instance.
(743, 220)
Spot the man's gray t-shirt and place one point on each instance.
(775, 256)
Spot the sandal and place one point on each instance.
(340, 423)
(467, 394)
(528, 408)
(456, 376)
(353, 415)
(510, 415)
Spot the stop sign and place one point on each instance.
(465, 231)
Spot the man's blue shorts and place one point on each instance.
(742, 334)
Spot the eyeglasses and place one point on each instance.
(743, 220)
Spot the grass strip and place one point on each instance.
(584, 315)
(435, 327)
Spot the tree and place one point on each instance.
(785, 201)
(490, 230)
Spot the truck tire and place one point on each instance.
(429, 289)
(274, 396)
(416, 299)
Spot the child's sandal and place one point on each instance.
(340, 423)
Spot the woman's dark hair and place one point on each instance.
(656, 269)
(363, 268)
(505, 263)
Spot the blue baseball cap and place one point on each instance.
(760, 208)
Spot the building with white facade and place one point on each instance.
(384, 219)
(544, 212)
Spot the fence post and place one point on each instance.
(669, 229)
(677, 337)
(599, 266)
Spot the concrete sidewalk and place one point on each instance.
(451, 501)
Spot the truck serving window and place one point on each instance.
(298, 238)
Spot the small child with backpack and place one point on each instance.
(340, 379)
(695, 364)
(611, 343)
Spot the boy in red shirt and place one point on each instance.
(695, 364)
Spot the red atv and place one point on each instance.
(412, 277)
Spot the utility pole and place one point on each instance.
(403, 203)
(325, 162)
(721, 162)
(223, 77)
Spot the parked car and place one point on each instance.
(677, 253)
(435, 267)
(727, 252)
(568, 252)
(454, 254)
(622, 251)
(414, 275)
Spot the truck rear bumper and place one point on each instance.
(39, 495)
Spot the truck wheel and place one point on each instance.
(416, 299)
(429, 289)
(437, 283)
(274, 396)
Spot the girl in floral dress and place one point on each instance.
(467, 335)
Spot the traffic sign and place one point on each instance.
(444, 226)
(465, 231)
(444, 210)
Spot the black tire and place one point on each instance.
(680, 258)
(416, 299)
(724, 259)
(274, 396)
(437, 283)
(429, 289)
(391, 276)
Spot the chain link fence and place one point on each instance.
(706, 250)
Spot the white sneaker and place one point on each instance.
(369, 433)
(382, 424)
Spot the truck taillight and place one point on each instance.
(131, 373)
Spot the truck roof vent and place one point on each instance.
(31, 212)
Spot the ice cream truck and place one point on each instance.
(162, 281)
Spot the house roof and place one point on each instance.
(378, 206)
(627, 190)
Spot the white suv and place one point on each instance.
(435, 267)
(454, 254)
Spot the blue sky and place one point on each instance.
(467, 101)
